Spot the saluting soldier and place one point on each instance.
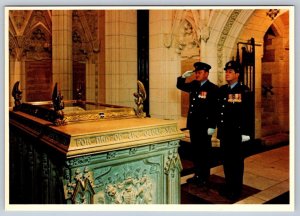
(201, 119)
(233, 128)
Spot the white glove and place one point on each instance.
(210, 131)
(187, 74)
(245, 138)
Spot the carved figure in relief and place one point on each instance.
(131, 189)
(129, 195)
(188, 36)
(144, 190)
(132, 186)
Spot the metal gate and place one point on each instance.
(246, 57)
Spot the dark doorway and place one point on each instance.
(143, 52)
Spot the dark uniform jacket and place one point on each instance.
(203, 103)
(234, 107)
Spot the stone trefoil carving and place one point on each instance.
(272, 13)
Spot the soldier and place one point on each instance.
(201, 120)
(233, 129)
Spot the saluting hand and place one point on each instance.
(210, 131)
(187, 74)
(245, 138)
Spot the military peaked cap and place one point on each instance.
(233, 65)
(201, 66)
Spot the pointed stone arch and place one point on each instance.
(37, 43)
(25, 29)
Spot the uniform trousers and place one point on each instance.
(201, 152)
(233, 162)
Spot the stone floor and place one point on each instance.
(268, 172)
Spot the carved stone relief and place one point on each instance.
(172, 163)
(84, 35)
(189, 29)
(130, 183)
(126, 136)
(221, 42)
(30, 34)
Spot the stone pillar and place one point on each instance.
(101, 59)
(164, 68)
(62, 51)
(120, 57)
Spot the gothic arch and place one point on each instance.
(30, 34)
(237, 25)
(37, 43)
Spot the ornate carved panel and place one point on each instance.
(125, 183)
(30, 34)
(221, 42)
(85, 34)
(189, 29)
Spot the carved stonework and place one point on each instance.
(37, 45)
(138, 164)
(30, 34)
(84, 35)
(130, 190)
(173, 163)
(79, 188)
(221, 42)
(126, 136)
(122, 184)
(81, 161)
(272, 13)
(19, 18)
(188, 43)
(189, 29)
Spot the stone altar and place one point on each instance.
(114, 158)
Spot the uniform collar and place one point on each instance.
(233, 85)
(203, 82)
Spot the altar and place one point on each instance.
(101, 154)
